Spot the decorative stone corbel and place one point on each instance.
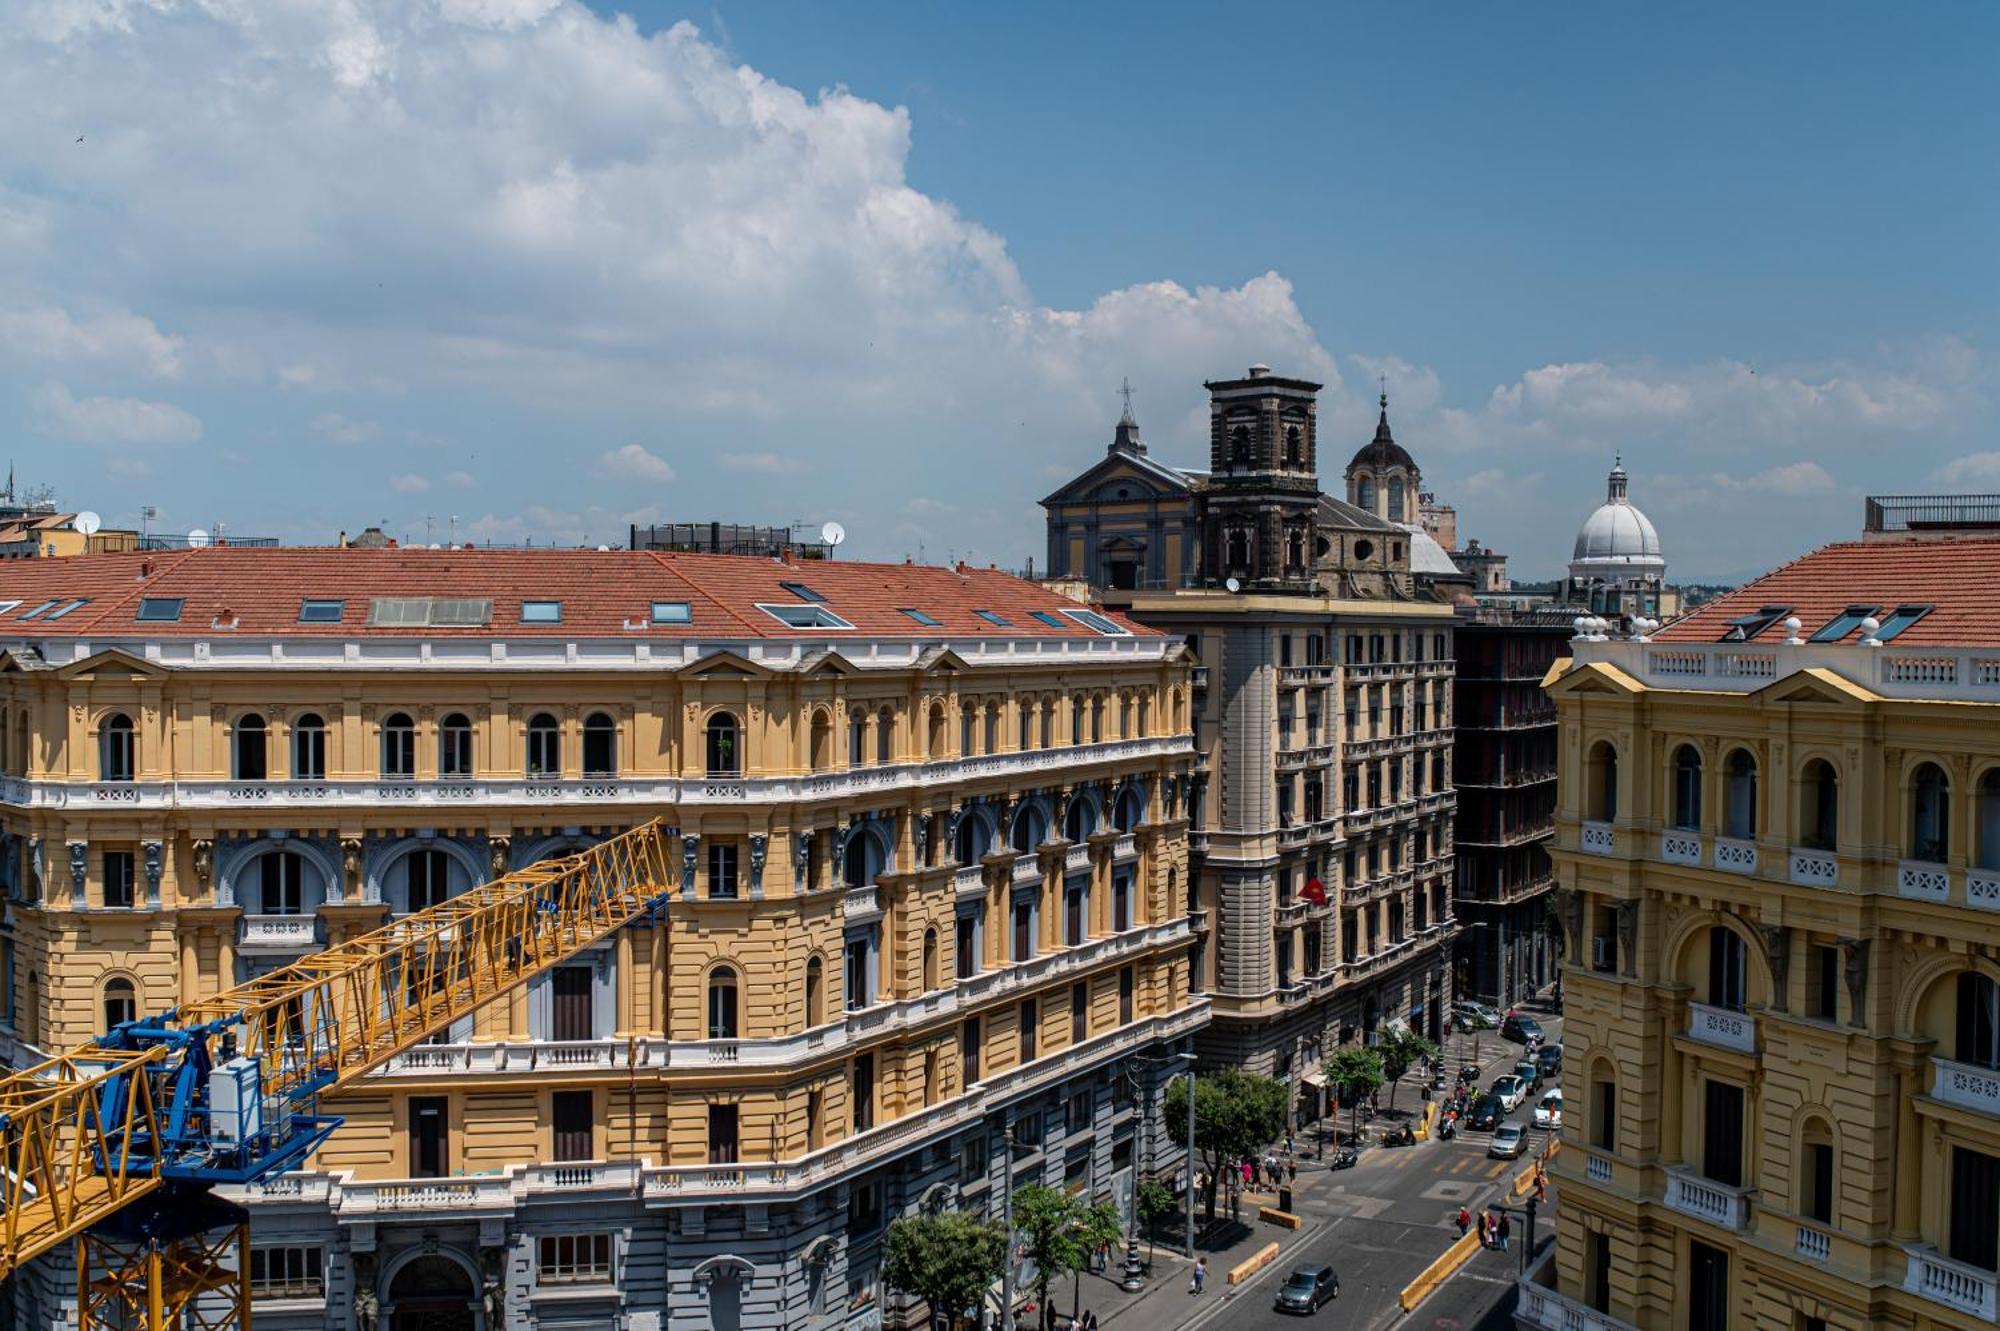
(690, 850)
(1778, 952)
(154, 854)
(204, 867)
(1854, 969)
(350, 885)
(759, 845)
(499, 850)
(921, 830)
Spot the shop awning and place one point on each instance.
(1316, 1080)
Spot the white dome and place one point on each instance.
(1618, 531)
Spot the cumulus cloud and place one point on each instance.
(460, 480)
(112, 420)
(634, 462)
(338, 429)
(1973, 471)
(409, 483)
(117, 338)
(769, 464)
(1792, 480)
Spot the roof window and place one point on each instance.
(804, 616)
(1901, 618)
(1097, 623)
(926, 620)
(672, 612)
(160, 609)
(803, 592)
(429, 611)
(1745, 627)
(5, 606)
(993, 619)
(541, 612)
(65, 609)
(41, 609)
(1843, 623)
(321, 610)
(1048, 619)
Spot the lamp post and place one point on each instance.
(1007, 1204)
(1134, 1278)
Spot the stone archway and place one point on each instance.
(433, 1292)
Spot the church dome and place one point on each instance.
(1382, 452)
(1617, 534)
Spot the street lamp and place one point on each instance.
(1134, 1278)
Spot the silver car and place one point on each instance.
(1509, 1140)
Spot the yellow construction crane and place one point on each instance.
(117, 1146)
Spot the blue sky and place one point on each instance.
(548, 270)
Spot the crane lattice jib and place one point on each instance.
(85, 1134)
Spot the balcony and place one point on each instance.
(1597, 839)
(861, 903)
(969, 881)
(1027, 869)
(1126, 847)
(1815, 1245)
(1921, 880)
(1295, 676)
(1815, 868)
(1982, 889)
(280, 933)
(1704, 1199)
(1966, 1086)
(1543, 1307)
(1291, 912)
(1076, 859)
(1199, 676)
(1735, 855)
(1680, 847)
(1722, 1028)
(1932, 1275)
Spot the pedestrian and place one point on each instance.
(1464, 1221)
(1485, 1229)
(1200, 1276)
(1288, 1143)
(1292, 1170)
(1246, 1173)
(1506, 1228)
(1541, 1187)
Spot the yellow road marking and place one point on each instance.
(1499, 1168)
(1465, 1162)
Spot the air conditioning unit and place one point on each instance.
(1602, 953)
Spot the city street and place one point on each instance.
(1381, 1223)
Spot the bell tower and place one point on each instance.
(1263, 487)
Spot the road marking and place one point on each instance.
(1499, 1168)
(1465, 1162)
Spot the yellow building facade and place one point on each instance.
(1779, 854)
(933, 889)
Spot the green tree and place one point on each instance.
(1401, 1048)
(1059, 1233)
(1156, 1203)
(1236, 1115)
(949, 1260)
(1356, 1073)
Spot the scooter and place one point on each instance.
(1447, 1130)
(1344, 1158)
(1403, 1136)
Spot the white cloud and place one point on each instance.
(117, 337)
(1792, 480)
(338, 429)
(633, 462)
(112, 420)
(1973, 471)
(769, 464)
(460, 480)
(409, 483)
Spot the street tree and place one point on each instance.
(1058, 1232)
(1356, 1074)
(1156, 1203)
(1236, 1115)
(1401, 1049)
(949, 1260)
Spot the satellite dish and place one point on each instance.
(833, 533)
(88, 522)
(1233, 585)
(197, 539)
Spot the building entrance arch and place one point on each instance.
(433, 1292)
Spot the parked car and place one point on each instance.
(1509, 1140)
(1306, 1289)
(1529, 1071)
(1509, 1090)
(1550, 1058)
(1549, 1112)
(1476, 1016)
(1485, 1114)
(1522, 1030)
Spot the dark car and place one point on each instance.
(1306, 1289)
(1521, 1030)
(1550, 1059)
(1486, 1113)
(1529, 1070)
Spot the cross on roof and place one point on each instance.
(1125, 391)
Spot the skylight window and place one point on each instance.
(160, 609)
(1745, 627)
(1900, 619)
(803, 592)
(40, 610)
(73, 605)
(429, 611)
(5, 606)
(993, 619)
(1843, 623)
(672, 612)
(926, 620)
(321, 610)
(804, 616)
(541, 612)
(460, 612)
(1097, 623)
(1048, 619)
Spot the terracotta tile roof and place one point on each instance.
(600, 591)
(1960, 580)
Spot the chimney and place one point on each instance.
(343, 540)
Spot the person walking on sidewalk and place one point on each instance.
(1200, 1276)
(1464, 1221)
(1506, 1228)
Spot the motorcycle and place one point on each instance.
(1344, 1158)
(1403, 1136)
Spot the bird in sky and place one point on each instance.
(79, 138)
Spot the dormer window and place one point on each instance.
(1745, 627)
(1844, 623)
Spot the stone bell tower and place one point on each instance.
(1263, 445)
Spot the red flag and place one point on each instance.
(1315, 892)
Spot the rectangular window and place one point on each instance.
(1899, 619)
(721, 871)
(803, 592)
(1844, 623)
(1823, 982)
(1075, 904)
(1079, 1013)
(1974, 1234)
(314, 610)
(1819, 1182)
(1078, 1112)
(1041, 615)
(805, 616)
(857, 974)
(287, 1273)
(1726, 969)
(1708, 1288)
(1029, 1022)
(429, 1137)
(1745, 627)
(161, 610)
(672, 612)
(920, 617)
(1597, 1264)
(570, 1115)
(722, 1134)
(118, 875)
(968, 1050)
(39, 610)
(1024, 930)
(996, 621)
(861, 1091)
(972, 1159)
(570, 1003)
(573, 1259)
(864, 1212)
(1121, 904)
(968, 947)
(1722, 1133)
(1128, 989)
(1097, 623)
(541, 612)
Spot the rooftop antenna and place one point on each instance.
(430, 526)
(147, 512)
(1125, 391)
(454, 529)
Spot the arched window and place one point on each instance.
(1081, 820)
(1687, 788)
(722, 1003)
(121, 1003)
(1364, 495)
(1076, 721)
(1978, 1021)
(1819, 806)
(1820, 1162)
(885, 735)
(822, 740)
(1145, 717)
(1295, 452)
(1125, 716)
(1988, 820)
(399, 747)
(992, 744)
(1740, 796)
(815, 992)
(857, 737)
(1239, 445)
(1727, 968)
(968, 730)
(281, 882)
(1049, 724)
(1097, 721)
(426, 878)
(1239, 548)
(930, 960)
(247, 744)
(117, 754)
(1395, 499)
(1030, 829)
(455, 745)
(935, 742)
(1604, 1106)
(863, 859)
(1026, 739)
(1930, 814)
(972, 840)
(600, 745)
(1130, 810)
(1602, 783)
(544, 746)
(724, 756)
